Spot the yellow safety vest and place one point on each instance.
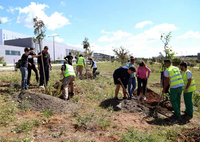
(69, 71)
(192, 86)
(80, 61)
(175, 77)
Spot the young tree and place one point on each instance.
(39, 31)
(121, 53)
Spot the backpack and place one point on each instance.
(18, 64)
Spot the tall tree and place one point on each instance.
(39, 31)
(121, 53)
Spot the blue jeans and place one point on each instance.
(132, 82)
(24, 77)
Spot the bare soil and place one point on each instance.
(39, 101)
(190, 135)
(156, 85)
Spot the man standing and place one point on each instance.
(189, 88)
(80, 65)
(31, 66)
(132, 81)
(122, 74)
(94, 66)
(47, 64)
(69, 58)
(69, 78)
(174, 79)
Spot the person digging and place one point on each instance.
(69, 78)
(122, 75)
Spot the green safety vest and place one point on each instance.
(175, 77)
(80, 61)
(69, 71)
(192, 86)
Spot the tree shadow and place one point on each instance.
(111, 103)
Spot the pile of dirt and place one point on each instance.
(39, 101)
(156, 85)
(152, 99)
(192, 135)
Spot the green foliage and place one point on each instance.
(4, 64)
(23, 127)
(47, 113)
(122, 54)
(24, 105)
(75, 99)
(196, 99)
(1, 59)
(7, 112)
(134, 135)
(176, 61)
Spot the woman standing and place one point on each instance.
(142, 77)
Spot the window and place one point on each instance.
(4, 36)
(12, 52)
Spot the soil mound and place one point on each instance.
(156, 85)
(39, 101)
(192, 135)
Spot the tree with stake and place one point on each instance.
(39, 31)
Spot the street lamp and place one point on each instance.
(54, 35)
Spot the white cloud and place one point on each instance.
(1, 7)
(62, 3)
(142, 24)
(26, 15)
(114, 36)
(155, 32)
(11, 9)
(190, 34)
(58, 39)
(4, 19)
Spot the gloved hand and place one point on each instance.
(186, 90)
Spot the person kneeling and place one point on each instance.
(69, 78)
(122, 74)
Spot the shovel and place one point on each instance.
(124, 88)
(155, 111)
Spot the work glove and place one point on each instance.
(186, 90)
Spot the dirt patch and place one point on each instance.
(152, 99)
(156, 85)
(192, 135)
(39, 101)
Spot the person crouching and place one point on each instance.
(69, 78)
(122, 74)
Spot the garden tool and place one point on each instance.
(125, 89)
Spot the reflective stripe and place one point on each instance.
(190, 85)
(69, 71)
(175, 80)
(176, 86)
(187, 79)
(174, 75)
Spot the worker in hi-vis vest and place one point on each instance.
(188, 88)
(80, 65)
(174, 79)
(69, 78)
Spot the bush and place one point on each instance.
(1, 59)
(4, 64)
(176, 61)
(196, 99)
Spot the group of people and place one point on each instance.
(172, 78)
(27, 64)
(126, 75)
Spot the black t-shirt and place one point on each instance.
(30, 60)
(46, 59)
(63, 68)
(24, 60)
(122, 74)
(69, 58)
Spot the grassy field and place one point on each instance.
(89, 122)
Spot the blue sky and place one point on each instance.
(135, 25)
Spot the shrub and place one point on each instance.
(47, 113)
(196, 99)
(4, 64)
(176, 61)
(1, 59)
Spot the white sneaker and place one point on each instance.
(144, 98)
(138, 97)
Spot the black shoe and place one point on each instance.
(116, 98)
(124, 98)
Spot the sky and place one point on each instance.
(134, 24)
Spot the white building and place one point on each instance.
(12, 46)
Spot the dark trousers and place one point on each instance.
(32, 67)
(94, 70)
(46, 70)
(70, 63)
(144, 84)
